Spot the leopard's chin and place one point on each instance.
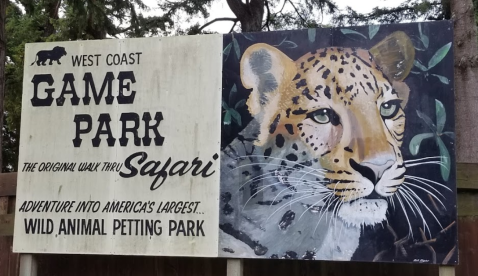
(363, 212)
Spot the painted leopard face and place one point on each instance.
(340, 111)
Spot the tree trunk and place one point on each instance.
(52, 9)
(250, 14)
(466, 80)
(3, 48)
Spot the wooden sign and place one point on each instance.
(319, 144)
(113, 157)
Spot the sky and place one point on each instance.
(221, 9)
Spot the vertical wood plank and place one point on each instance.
(235, 267)
(28, 265)
(446, 271)
(4, 241)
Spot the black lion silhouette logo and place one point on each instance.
(53, 55)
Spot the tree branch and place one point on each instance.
(218, 19)
(232, 28)
(283, 5)
(237, 7)
(268, 16)
(410, 11)
(297, 11)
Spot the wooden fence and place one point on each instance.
(92, 265)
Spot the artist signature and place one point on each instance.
(420, 261)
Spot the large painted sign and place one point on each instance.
(338, 144)
(117, 155)
(326, 144)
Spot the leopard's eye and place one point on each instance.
(389, 109)
(325, 116)
(321, 116)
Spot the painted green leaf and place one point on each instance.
(444, 159)
(450, 134)
(224, 105)
(419, 65)
(425, 40)
(423, 37)
(248, 36)
(420, 49)
(352, 32)
(441, 116)
(439, 55)
(415, 72)
(236, 48)
(227, 50)
(236, 116)
(240, 104)
(311, 33)
(443, 79)
(289, 44)
(227, 117)
(427, 121)
(373, 30)
(285, 38)
(414, 146)
(232, 94)
(234, 89)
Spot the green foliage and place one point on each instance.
(409, 10)
(372, 31)
(20, 29)
(279, 14)
(434, 60)
(436, 133)
(437, 57)
(352, 32)
(230, 110)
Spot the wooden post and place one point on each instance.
(446, 271)
(28, 265)
(235, 267)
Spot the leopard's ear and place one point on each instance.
(395, 54)
(264, 69)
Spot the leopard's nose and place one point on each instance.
(373, 169)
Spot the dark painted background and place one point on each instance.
(426, 87)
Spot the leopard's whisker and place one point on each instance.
(410, 231)
(258, 178)
(340, 205)
(335, 212)
(406, 201)
(428, 180)
(313, 205)
(426, 184)
(417, 208)
(325, 189)
(286, 160)
(317, 173)
(426, 163)
(265, 187)
(421, 159)
(311, 192)
(329, 202)
(279, 165)
(405, 184)
(290, 204)
(424, 205)
(391, 201)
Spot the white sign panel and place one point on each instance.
(120, 144)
